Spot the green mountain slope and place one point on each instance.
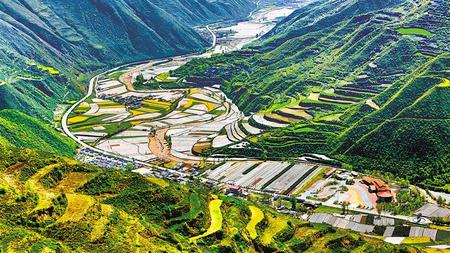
(368, 75)
(20, 130)
(50, 204)
(76, 37)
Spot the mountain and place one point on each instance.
(47, 44)
(363, 81)
(52, 204)
(20, 130)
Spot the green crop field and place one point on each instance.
(414, 31)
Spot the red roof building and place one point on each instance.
(384, 193)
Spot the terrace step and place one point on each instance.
(356, 89)
(261, 121)
(250, 129)
(298, 114)
(277, 118)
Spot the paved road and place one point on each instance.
(214, 37)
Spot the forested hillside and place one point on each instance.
(363, 81)
(20, 130)
(51, 204)
(47, 44)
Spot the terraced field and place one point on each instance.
(338, 83)
(119, 211)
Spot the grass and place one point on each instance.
(159, 182)
(414, 31)
(312, 180)
(116, 75)
(331, 117)
(195, 208)
(257, 217)
(100, 225)
(50, 70)
(164, 77)
(216, 220)
(77, 207)
(73, 181)
(276, 225)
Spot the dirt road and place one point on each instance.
(160, 148)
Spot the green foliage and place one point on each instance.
(20, 130)
(127, 206)
(414, 31)
(408, 201)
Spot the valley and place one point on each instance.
(134, 122)
(225, 126)
(168, 124)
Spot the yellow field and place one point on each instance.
(257, 217)
(276, 225)
(445, 83)
(44, 197)
(297, 112)
(201, 146)
(157, 103)
(73, 181)
(216, 220)
(158, 181)
(77, 119)
(100, 225)
(193, 101)
(77, 207)
(50, 70)
(411, 240)
(440, 227)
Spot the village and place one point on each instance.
(162, 133)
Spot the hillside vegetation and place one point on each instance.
(363, 81)
(47, 44)
(51, 204)
(20, 130)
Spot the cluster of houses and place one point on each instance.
(131, 102)
(94, 158)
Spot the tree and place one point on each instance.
(441, 201)
(139, 80)
(345, 205)
(294, 203)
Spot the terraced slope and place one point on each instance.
(50, 204)
(357, 80)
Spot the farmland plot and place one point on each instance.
(261, 174)
(231, 171)
(289, 178)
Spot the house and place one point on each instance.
(233, 189)
(379, 187)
